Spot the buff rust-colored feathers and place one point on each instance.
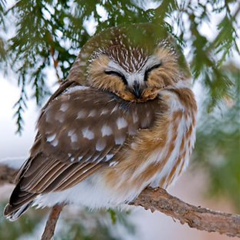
(124, 120)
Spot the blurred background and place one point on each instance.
(39, 41)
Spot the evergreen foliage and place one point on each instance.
(38, 35)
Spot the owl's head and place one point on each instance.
(134, 62)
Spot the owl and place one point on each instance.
(124, 120)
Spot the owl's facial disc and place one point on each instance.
(137, 87)
(137, 83)
(133, 85)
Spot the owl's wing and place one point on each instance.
(79, 132)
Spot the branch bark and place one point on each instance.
(7, 174)
(157, 200)
(51, 223)
(196, 217)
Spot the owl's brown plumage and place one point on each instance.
(124, 120)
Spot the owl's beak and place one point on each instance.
(137, 90)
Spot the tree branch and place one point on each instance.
(157, 200)
(7, 174)
(196, 217)
(51, 222)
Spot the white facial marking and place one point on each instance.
(79, 158)
(121, 123)
(106, 130)
(133, 77)
(88, 133)
(101, 144)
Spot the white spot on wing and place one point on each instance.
(54, 142)
(119, 140)
(64, 107)
(106, 130)
(81, 114)
(70, 132)
(92, 113)
(51, 137)
(75, 89)
(88, 133)
(121, 123)
(74, 138)
(61, 119)
(114, 109)
(109, 156)
(104, 111)
(101, 144)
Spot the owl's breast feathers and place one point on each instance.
(83, 131)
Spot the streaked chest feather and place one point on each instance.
(156, 156)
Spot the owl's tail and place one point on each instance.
(18, 204)
(12, 213)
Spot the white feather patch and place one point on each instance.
(121, 123)
(88, 133)
(75, 89)
(106, 130)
